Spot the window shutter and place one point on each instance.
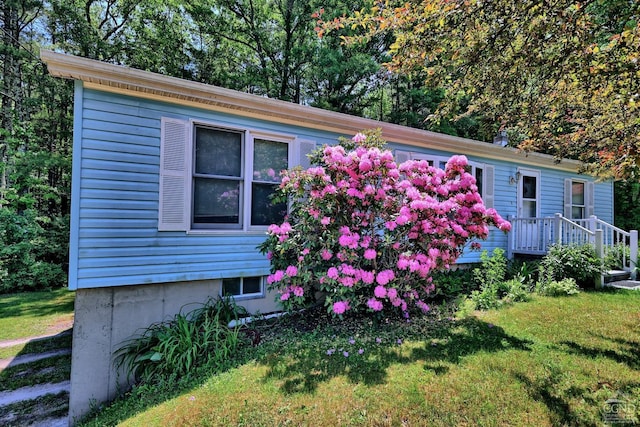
(589, 199)
(488, 197)
(305, 147)
(567, 198)
(402, 156)
(175, 158)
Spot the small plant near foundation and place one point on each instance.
(578, 262)
(498, 283)
(557, 288)
(198, 338)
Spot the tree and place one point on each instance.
(561, 77)
(35, 146)
(274, 34)
(368, 233)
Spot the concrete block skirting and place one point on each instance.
(105, 317)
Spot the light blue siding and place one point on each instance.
(114, 228)
(116, 199)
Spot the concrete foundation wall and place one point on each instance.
(106, 317)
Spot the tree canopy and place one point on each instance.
(560, 76)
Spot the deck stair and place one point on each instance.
(534, 236)
(616, 276)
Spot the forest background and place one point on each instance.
(452, 67)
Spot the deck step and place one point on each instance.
(616, 276)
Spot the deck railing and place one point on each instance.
(533, 236)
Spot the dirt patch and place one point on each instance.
(60, 325)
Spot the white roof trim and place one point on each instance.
(115, 78)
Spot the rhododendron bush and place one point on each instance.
(365, 233)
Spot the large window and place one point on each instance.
(224, 194)
(222, 178)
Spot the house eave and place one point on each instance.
(119, 79)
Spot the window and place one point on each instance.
(219, 179)
(578, 199)
(222, 178)
(269, 158)
(243, 287)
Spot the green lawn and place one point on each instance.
(30, 314)
(548, 362)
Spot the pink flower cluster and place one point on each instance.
(374, 231)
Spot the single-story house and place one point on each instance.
(169, 198)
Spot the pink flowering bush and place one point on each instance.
(366, 234)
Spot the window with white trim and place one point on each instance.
(243, 287)
(222, 178)
(223, 191)
(578, 198)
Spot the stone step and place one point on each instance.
(28, 358)
(616, 276)
(32, 392)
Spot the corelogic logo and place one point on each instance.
(619, 409)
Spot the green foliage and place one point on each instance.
(493, 270)
(579, 262)
(626, 204)
(28, 256)
(174, 348)
(615, 257)
(561, 76)
(552, 347)
(500, 282)
(524, 271)
(555, 288)
(450, 284)
(490, 277)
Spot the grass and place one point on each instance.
(550, 361)
(34, 313)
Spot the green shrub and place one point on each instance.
(495, 286)
(174, 348)
(615, 257)
(524, 271)
(453, 283)
(558, 287)
(490, 277)
(517, 291)
(578, 262)
(30, 257)
(493, 269)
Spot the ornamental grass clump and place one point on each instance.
(366, 233)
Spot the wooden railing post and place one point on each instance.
(557, 225)
(600, 253)
(511, 241)
(633, 253)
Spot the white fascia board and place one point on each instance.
(119, 79)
